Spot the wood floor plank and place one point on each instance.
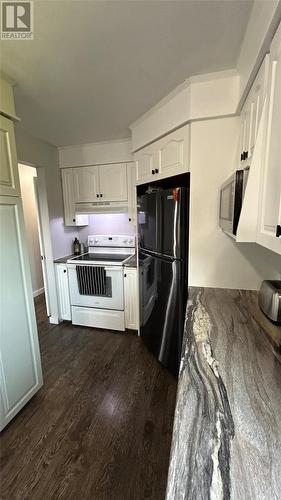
(101, 426)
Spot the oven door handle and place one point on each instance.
(113, 268)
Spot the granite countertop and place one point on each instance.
(62, 260)
(132, 262)
(227, 427)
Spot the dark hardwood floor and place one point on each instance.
(101, 426)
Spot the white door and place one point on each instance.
(9, 174)
(69, 200)
(132, 193)
(144, 165)
(20, 363)
(42, 248)
(63, 291)
(270, 223)
(86, 184)
(113, 182)
(173, 153)
(131, 293)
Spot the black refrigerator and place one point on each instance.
(163, 218)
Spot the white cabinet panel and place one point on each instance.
(270, 221)
(86, 184)
(164, 158)
(20, 364)
(69, 200)
(251, 114)
(173, 153)
(63, 292)
(113, 182)
(132, 193)
(144, 165)
(9, 175)
(131, 293)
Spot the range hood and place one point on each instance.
(102, 207)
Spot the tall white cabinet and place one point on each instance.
(20, 363)
(269, 231)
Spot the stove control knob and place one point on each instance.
(90, 241)
(125, 241)
(130, 241)
(96, 240)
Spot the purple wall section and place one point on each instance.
(107, 224)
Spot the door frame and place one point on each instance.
(44, 222)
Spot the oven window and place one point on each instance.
(93, 281)
(226, 202)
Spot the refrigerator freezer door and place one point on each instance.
(150, 221)
(163, 222)
(163, 295)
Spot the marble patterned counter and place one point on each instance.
(227, 427)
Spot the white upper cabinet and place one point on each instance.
(9, 175)
(269, 233)
(95, 186)
(173, 153)
(144, 164)
(132, 192)
(69, 190)
(113, 182)
(251, 114)
(86, 184)
(164, 158)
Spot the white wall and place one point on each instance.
(216, 260)
(203, 96)
(264, 19)
(107, 224)
(39, 153)
(30, 218)
(96, 153)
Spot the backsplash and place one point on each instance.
(106, 224)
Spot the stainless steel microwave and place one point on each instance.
(231, 198)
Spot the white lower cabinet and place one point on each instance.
(63, 292)
(20, 363)
(131, 293)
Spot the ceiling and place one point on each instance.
(95, 66)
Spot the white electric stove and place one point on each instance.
(96, 282)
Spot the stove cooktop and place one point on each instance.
(101, 257)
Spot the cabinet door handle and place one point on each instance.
(130, 219)
(101, 195)
(125, 275)
(153, 172)
(278, 231)
(73, 220)
(98, 195)
(64, 270)
(156, 170)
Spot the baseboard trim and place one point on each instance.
(38, 292)
(54, 320)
